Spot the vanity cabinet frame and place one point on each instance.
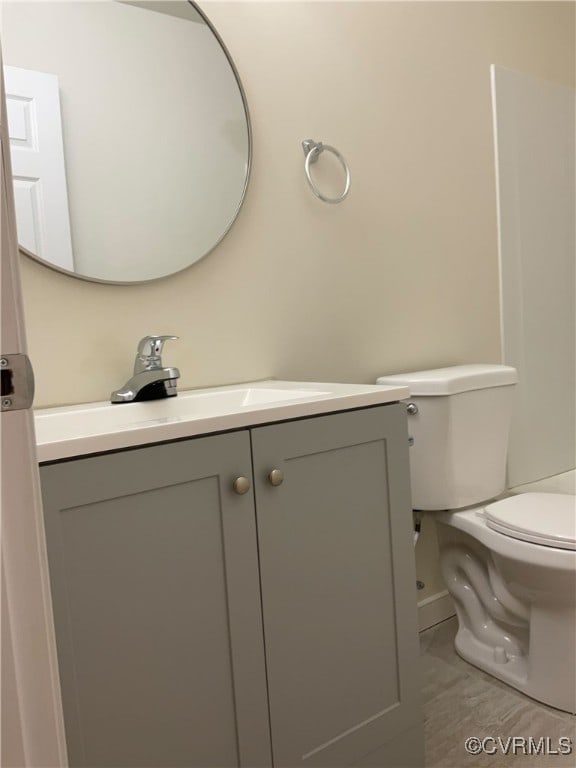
(298, 599)
(113, 565)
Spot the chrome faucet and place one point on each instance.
(150, 380)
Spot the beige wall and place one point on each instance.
(403, 275)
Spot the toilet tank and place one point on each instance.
(460, 428)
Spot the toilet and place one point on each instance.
(508, 561)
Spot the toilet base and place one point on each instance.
(490, 659)
(513, 672)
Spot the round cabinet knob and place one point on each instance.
(241, 485)
(276, 477)
(412, 409)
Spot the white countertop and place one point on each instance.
(79, 430)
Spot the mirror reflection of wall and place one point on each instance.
(155, 143)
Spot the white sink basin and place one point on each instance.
(261, 396)
(82, 429)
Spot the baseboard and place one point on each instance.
(435, 609)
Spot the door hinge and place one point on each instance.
(17, 382)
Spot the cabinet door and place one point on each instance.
(153, 566)
(338, 585)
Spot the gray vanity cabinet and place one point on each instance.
(197, 627)
(338, 588)
(154, 572)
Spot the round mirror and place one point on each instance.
(129, 133)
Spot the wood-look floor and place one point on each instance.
(461, 701)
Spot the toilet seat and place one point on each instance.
(548, 519)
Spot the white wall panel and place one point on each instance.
(535, 136)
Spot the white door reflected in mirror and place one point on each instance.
(36, 147)
(155, 138)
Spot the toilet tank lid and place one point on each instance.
(453, 380)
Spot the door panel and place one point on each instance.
(31, 714)
(37, 149)
(337, 584)
(146, 609)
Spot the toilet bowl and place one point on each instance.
(508, 561)
(515, 599)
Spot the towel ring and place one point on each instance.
(312, 151)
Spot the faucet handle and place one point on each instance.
(149, 356)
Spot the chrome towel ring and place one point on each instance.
(312, 151)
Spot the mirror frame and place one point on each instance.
(87, 278)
